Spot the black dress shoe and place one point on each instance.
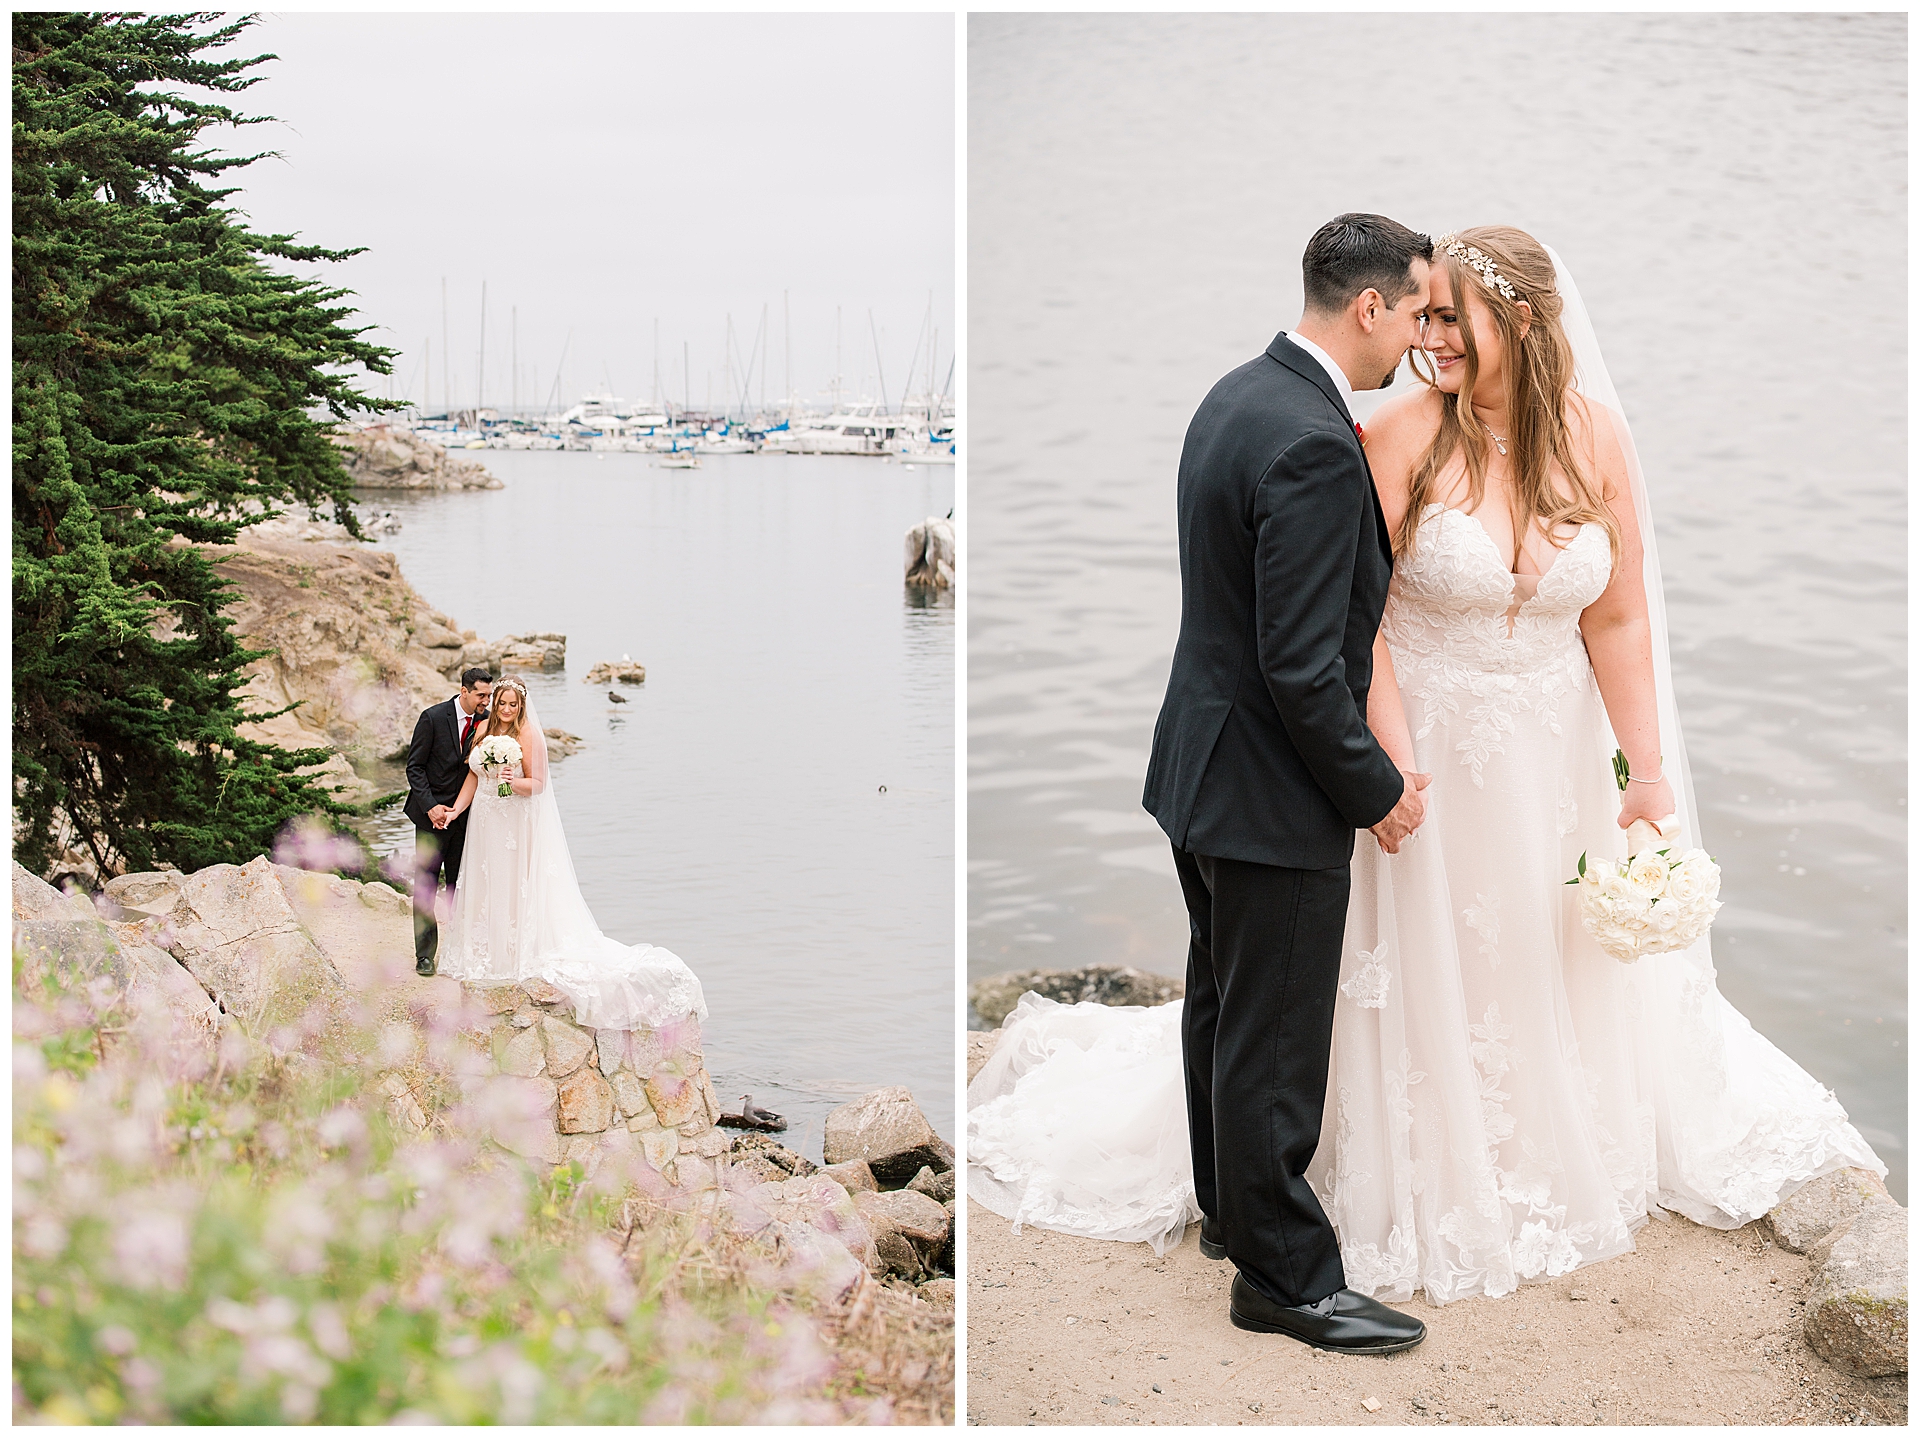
(1213, 1242)
(1342, 1322)
(424, 968)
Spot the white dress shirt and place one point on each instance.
(1333, 370)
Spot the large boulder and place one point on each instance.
(238, 935)
(1113, 984)
(912, 1215)
(70, 944)
(1857, 1302)
(1816, 1209)
(885, 1130)
(930, 554)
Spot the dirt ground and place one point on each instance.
(1696, 1326)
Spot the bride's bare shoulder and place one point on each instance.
(1400, 430)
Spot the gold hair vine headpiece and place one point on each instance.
(1480, 261)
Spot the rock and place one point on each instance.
(351, 643)
(586, 1102)
(520, 1116)
(817, 1202)
(629, 1096)
(757, 1168)
(930, 554)
(979, 1049)
(695, 1174)
(1857, 1302)
(611, 1045)
(791, 1164)
(937, 1186)
(945, 1259)
(939, 1291)
(35, 898)
(155, 989)
(561, 742)
(516, 651)
(567, 1046)
(542, 992)
(896, 1255)
(593, 1151)
(1814, 1210)
(709, 1145)
(993, 997)
(379, 456)
(644, 1117)
(854, 1177)
(152, 896)
(621, 671)
(383, 899)
(523, 1056)
(675, 1100)
(498, 998)
(913, 1215)
(888, 1132)
(241, 940)
(660, 1145)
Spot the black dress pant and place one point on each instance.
(436, 865)
(1263, 969)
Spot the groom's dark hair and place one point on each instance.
(475, 675)
(1351, 253)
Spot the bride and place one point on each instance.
(518, 913)
(1505, 1102)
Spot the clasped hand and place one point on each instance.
(1405, 816)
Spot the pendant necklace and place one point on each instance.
(1499, 442)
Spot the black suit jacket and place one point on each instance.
(436, 761)
(1262, 752)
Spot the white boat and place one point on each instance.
(860, 429)
(678, 459)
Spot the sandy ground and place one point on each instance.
(1697, 1326)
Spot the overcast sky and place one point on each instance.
(600, 172)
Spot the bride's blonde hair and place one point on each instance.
(494, 725)
(1505, 266)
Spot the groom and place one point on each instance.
(436, 768)
(1263, 767)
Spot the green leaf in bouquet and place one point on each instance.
(1620, 769)
(1581, 867)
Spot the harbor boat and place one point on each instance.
(678, 459)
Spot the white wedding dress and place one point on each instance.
(1505, 1101)
(518, 914)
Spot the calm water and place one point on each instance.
(732, 809)
(1730, 191)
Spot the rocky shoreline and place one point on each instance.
(379, 456)
(1824, 1320)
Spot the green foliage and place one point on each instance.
(166, 383)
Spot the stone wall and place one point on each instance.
(600, 1091)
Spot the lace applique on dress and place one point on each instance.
(1462, 648)
(1368, 986)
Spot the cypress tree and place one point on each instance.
(170, 386)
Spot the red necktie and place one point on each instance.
(467, 733)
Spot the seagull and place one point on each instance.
(626, 659)
(615, 697)
(760, 1117)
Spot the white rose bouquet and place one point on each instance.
(497, 750)
(1660, 899)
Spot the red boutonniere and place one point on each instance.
(1360, 432)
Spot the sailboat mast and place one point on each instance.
(480, 379)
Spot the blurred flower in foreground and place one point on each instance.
(265, 1243)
